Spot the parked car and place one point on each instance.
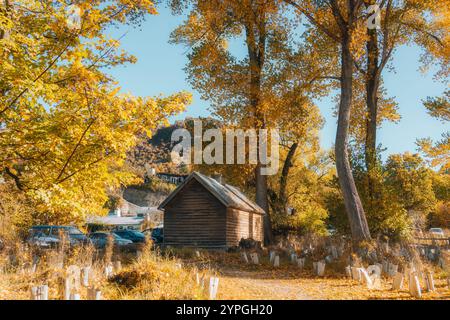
(100, 239)
(133, 235)
(50, 236)
(157, 235)
(437, 232)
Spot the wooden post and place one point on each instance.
(348, 271)
(94, 294)
(319, 268)
(85, 276)
(271, 256)
(301, 263)
(374, 269)
(43, 292)
(39, 292)
(98, 295)
(385, 267)
(276, 261)
(381, 268)
(293, 258)
(34, 264)
(74, 276)
(34, 293)
(366, 279)
(376, 281)
(108, 271)
(398, 281)
(200, 280)
(244, 257)
(67, 288)
(414, 286)
(197, 278)
(213, 287)
(75, 296)
(430, 281)
(356, 274)
(254, 257)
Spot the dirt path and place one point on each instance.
(283, 285)
(248, 285)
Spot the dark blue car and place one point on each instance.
(133, 235)
(158, 235)
(49, 236)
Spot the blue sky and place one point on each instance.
(159, 70)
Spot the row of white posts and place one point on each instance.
(274, 259)
(372, 277)
(213, 285)
(413, 282)
(75, 278)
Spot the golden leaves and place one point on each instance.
(67, 128)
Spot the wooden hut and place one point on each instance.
(205, 213)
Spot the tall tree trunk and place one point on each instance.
(357, 219)
(256, 43)
(279, 199)
(285, 174)
(262, 201)
(372, 87)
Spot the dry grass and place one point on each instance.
(155, 277)
(288, 284)
(248, 281)
(149, 276)
(172, 274)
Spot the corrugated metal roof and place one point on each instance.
(115, 220)
(228, 195)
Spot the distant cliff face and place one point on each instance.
(155, 152)
(144, 197)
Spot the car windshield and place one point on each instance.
(121, 232)
(436, 230)
(74, 231)
(38, 234)
(117, 237)
(98, 235)
(41, 231)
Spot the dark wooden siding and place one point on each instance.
(195, 218)
(242, 224)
